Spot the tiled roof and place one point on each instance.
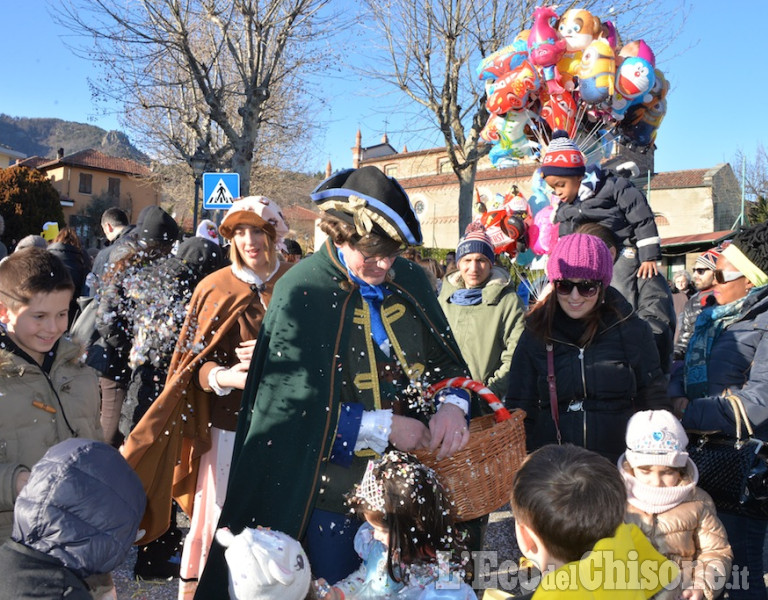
(682, 240)
(294, 212)
(32, 162)
(680, 179)
(93, 159)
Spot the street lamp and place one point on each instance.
(198, 161)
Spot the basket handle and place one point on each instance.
(500, 413)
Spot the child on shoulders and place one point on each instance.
(595, 196)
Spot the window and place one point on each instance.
(86, 183)
(444, 165)
(114, 187)
(390, 170)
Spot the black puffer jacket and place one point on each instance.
(598, 387)
(77, 516)
(618, 205)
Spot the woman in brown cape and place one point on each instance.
(182, 447)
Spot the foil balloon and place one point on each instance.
(543, 233)
(559, 112)
(643, 120)
(634, 78)
(545, 48)
(502, 61)
(513, 91)
(578, 28)
(596, 72)
(507, 134)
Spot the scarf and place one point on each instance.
(709, 324)
(656, 500)
(374, 297)
(467, 296)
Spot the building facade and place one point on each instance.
(686, 203)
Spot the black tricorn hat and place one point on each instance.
(372, 202)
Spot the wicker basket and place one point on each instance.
(479, 477)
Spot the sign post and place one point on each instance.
(220, 190)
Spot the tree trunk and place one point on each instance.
(466, 195)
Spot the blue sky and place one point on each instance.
(713, 106)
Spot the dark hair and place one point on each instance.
(68, 236)
(31, 271)
(540, 320)
(601, 232)
(114, 216)
(371, 244)
(418, 513)
(570, 497)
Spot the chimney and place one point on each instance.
(384, 139)
(357, 150)
(328, 169)
(60, 153)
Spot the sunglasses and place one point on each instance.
(727, 276)
(701, 270)
(586, 289)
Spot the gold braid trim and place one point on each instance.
(364, 218)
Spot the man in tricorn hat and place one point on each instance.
(351, 330)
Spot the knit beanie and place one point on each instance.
(265, 564)
(158, 226)
(580, 256)
(708, 259)
(748, 252)
(563, 157)
(656, 437)
(476, 241)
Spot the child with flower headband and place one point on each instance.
(409, 542)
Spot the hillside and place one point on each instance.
(43, 137)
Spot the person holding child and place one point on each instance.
(585, 362)
(679, 518)
(595, 196)
(48, 394)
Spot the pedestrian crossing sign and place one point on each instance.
(220, 190)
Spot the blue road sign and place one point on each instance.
(220, 190)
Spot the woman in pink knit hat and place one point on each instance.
(585, 362)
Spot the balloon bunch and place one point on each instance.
(570, 72)
(522, 228)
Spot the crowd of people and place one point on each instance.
(276, 398)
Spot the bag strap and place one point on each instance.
(740, 415)
(552, 384)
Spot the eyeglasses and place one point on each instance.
(701, 270)
(376, 258)
(586, 289)
(722, 276)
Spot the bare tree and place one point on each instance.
(755, 171)
(208, 74)
(431, 47)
